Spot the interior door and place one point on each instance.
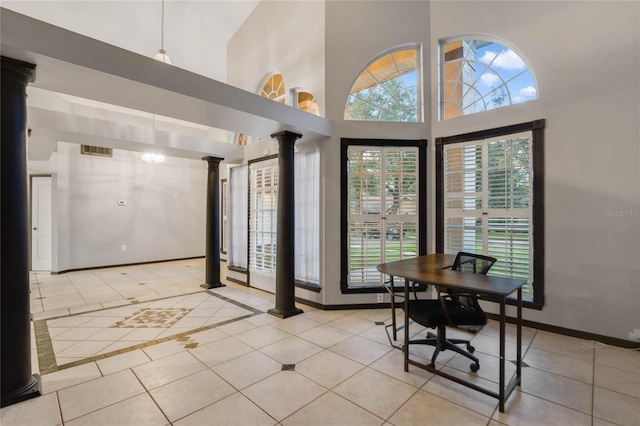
(41, 223)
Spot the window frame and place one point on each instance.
(419, 83)
(421, 144)
(537, 146)
(442, 102)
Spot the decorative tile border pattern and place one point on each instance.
(46, 355)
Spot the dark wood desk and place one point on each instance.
(429, 269)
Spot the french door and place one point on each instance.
(382, 214)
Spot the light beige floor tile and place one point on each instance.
(283, 393)
(362, 350)
(571, 346)
(328, 368)
(207, 336)
(296, 324)
(351, 324)
(110, 334)
(69, 377)
(563, 365)
(492, 328)
(122, 362)
(375, 392)
(324, 336)
(79, 333)
(235, 410)
(374, 315)
(189, 394)
(522, 409)
(144, 334)
(489, 366)
(392, 364)
(627, 382)
(491, 345)
(135, 411)
(236, 327)
(331, 409)
(262, 336)
(377, 334)
(168, 369)
(41, 411)
(68, 322)
(624, 359)
(615, 407)
(164, 349)
(247, 369)
(321, 316)
(561, 390)
(87, 397)
(600, 422)
(220, 351)
(426, 408)
(462, 395)
(85, 349)
(291, 350)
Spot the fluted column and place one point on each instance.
(18, 383)
(285, 248)
(212, 273)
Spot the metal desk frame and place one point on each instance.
(429, 269)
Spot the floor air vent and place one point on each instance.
(96, 150)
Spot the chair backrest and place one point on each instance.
(472, 262)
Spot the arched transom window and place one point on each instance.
(479, 75)
(274, 88)
(387, 89)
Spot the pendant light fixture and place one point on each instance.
(162, 54)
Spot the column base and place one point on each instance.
(32, 389)
(210, 286)
(280, 313)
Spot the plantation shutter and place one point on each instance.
(487, 203)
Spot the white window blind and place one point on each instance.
(224, 200)
(263, 216)
(382, 218)
(238, 217)
(307, 216)
(487, 203)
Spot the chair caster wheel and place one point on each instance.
(471, 349)
(474, 367)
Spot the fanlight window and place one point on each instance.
(478, 75)
(387, 90)
(274, 88)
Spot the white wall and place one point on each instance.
(357, 32)
(164, 215)
(586, 60)
(283, 36)
(585, 57)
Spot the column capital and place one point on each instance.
(17, 73)
(286, 134)
(213, 160)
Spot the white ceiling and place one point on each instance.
(178, 110)
(195, 36)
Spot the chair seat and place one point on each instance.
(429, 313)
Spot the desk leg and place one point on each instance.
(393, 309)
(519, 338)
(406, 324)
(502, 350)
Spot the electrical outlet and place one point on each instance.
(380, 298)
(123, 247)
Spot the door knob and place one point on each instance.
(35, 228)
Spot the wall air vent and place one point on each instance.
(96, 150)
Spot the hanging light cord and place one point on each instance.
(162, 29)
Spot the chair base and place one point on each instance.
(441, 344)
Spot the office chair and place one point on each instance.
(454, 308)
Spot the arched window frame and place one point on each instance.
(417, 105)
(446, 106)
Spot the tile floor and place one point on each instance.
(145, 345)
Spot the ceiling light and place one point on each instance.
(153, 158)
(162, 54)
